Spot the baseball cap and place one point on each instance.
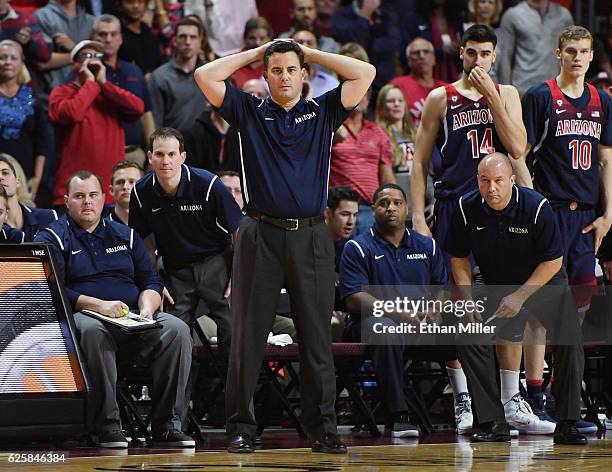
(601, 77)
(83, 44)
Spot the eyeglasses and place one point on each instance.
(90, 55)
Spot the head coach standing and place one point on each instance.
(285, 144)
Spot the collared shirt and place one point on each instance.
(356, 160)
(176, 98)
(338, 248)
(112, 216)
(370, 259)
(34, 219)
(284, 154)
(110, 263)
(191, 226)
(527, 44)
(507, 245)
(10, 235)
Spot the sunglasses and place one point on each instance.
(90, 55)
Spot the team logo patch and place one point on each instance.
(559, 102)
(454, 98)
(191, 207)
(416, 256)
(477, 105)
(514, 229)
(307, 116)
(595, 114)
(579, 115)
(121, 247)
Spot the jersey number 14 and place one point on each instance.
(486, 145)
(581, 154)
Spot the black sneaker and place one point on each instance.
(493, 432)
(401, 427)
(112, 439)
(567, 433)
(173, 438)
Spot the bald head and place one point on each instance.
(494, 160)
(495, 180)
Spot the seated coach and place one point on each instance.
(105, 268)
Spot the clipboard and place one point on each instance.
(130, 323)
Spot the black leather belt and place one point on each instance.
(288, 224)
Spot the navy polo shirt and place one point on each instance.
(10, 235)
(112, 216)
(507, 245)
(338, 248)
(370, 259)
(111, 263)
(191, 226)
(34, 219)
(284, 154)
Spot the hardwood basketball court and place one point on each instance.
(530, 454)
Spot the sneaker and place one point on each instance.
(537, 406)
(401, 427)
(519, 415)
(112, 439)
(464, 419)
(566, 433)
(173, 438)
(585, 427)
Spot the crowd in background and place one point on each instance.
(55, 122)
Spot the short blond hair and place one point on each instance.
(574, 33)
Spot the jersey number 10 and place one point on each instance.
(486, 145)
(581, 154)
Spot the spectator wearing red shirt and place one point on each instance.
(87, 115)
(417, 85)
(257, 31)
(361, 160)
